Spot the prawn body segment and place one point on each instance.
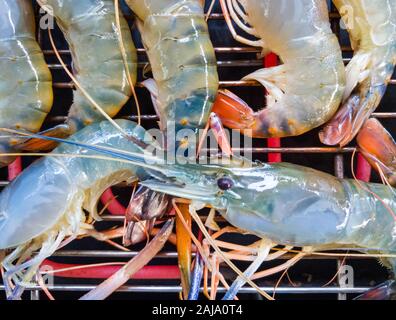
(285, 203)
(182, 58)
(306, 90)
(90, 29)
(26, 94)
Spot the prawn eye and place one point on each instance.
(225, 183)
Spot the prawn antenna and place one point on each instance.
(338, 271)
(223, 256)
(231, 10)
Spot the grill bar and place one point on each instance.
(167, 255)
(223, 84)
(177, 289)
(220, 63)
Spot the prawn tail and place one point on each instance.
(385, 291)
(277, 120)
(233, 112)
(379, 148)
(61, 131)
(271, 122)
(33, 144)
(361, 98)
(351, 117)
(144, 159)
(339, 129)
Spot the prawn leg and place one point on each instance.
(265, 248)
(144, 208)
(8, 266)
(215, 125)
(22, 272)
(229, 16)
(111, 284)
(196, 279)
(183, 245)
(235, 113)
(61, 131)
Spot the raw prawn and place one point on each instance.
(306, 90)
(281, 203)
(65, 190)
(183, 62)
(372, 29)
(25, 81)
(90, 29)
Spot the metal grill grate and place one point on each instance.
(234, 61)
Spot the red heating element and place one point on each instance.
(271, 60)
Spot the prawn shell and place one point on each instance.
(90, 29)
(188, 83)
